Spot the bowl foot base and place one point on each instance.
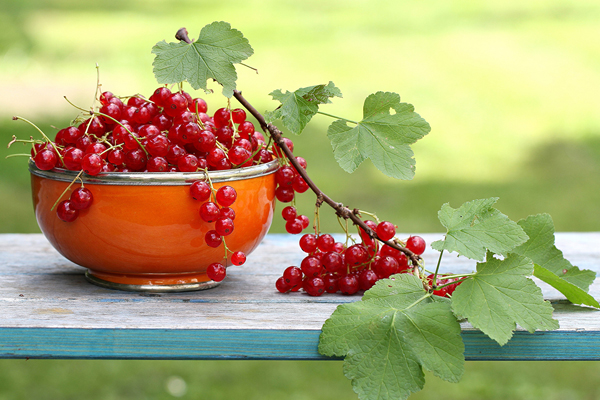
(149, 285)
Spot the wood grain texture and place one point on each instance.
(50, 311)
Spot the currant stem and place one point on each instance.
(418, 301)
(437, 267)
(336, 117)
(341, 210)
(67, 189)
(15, 118)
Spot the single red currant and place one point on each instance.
(226, 196)
(416, 244)
(66, 211)
(216, 272)
(81, 198)
(238, 258)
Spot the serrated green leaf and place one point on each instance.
(382, 136)
(500, 295)
(298, 107)
(541, 249)
(390, 336)
(476, 227)
(573, 293)
(210, 57)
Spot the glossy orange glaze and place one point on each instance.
(150, 235)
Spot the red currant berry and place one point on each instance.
(238, 115)
(226, 196)
(72, 158)
(238, 258)
(299, 184)
(366, 279)
(209, 211)
(331, 283)
(285, 176)
(289, 213)
(282, 286)
(294, 226)
(91, 164)
(292, 276)
(157, 164)
(314, 286)
(356, 254)
(200, 190)
(216, 272)
(311, 266)
(198, 106)
(284, 194)
(325, 242)
(224, 226)
(81, 198)
(308, 243)
(212, 238)
(66, 211)
(45, 160)
(304, 220)
(227, 212)
(385, 230)
(416, 244)
(332, 261)
(348, 284)
(188, 163)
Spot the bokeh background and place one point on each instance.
(510, 89)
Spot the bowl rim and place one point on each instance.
(156, 178)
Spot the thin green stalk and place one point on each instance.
(418, 301)
(437, 268)
(336, 117)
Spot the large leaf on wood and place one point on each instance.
(476, 227)
(500, 295)
(391, 335)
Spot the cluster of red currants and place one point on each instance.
(80, 199)
(222, 215)
(333, 267)
(168, 132)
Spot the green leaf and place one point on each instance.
(297, 108)
(541, 249)
(574, 294)
(500, 295)
(391, 335)
(382, 136)
(210, 57)
(476, 227)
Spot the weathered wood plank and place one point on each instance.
(50, 311)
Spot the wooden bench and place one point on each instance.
(50, 311)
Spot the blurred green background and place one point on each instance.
(510, 89)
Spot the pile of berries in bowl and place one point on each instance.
(155, 194)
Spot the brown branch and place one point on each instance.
(340, 209)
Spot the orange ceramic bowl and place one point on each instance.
(144, 232)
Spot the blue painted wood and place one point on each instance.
(254, 344)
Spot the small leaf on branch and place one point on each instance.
(391, 335)
(541, 249)
(381, 135)
(500, 295)
(476, 227)
(574, 294)
(297, 108)
(210, 57)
